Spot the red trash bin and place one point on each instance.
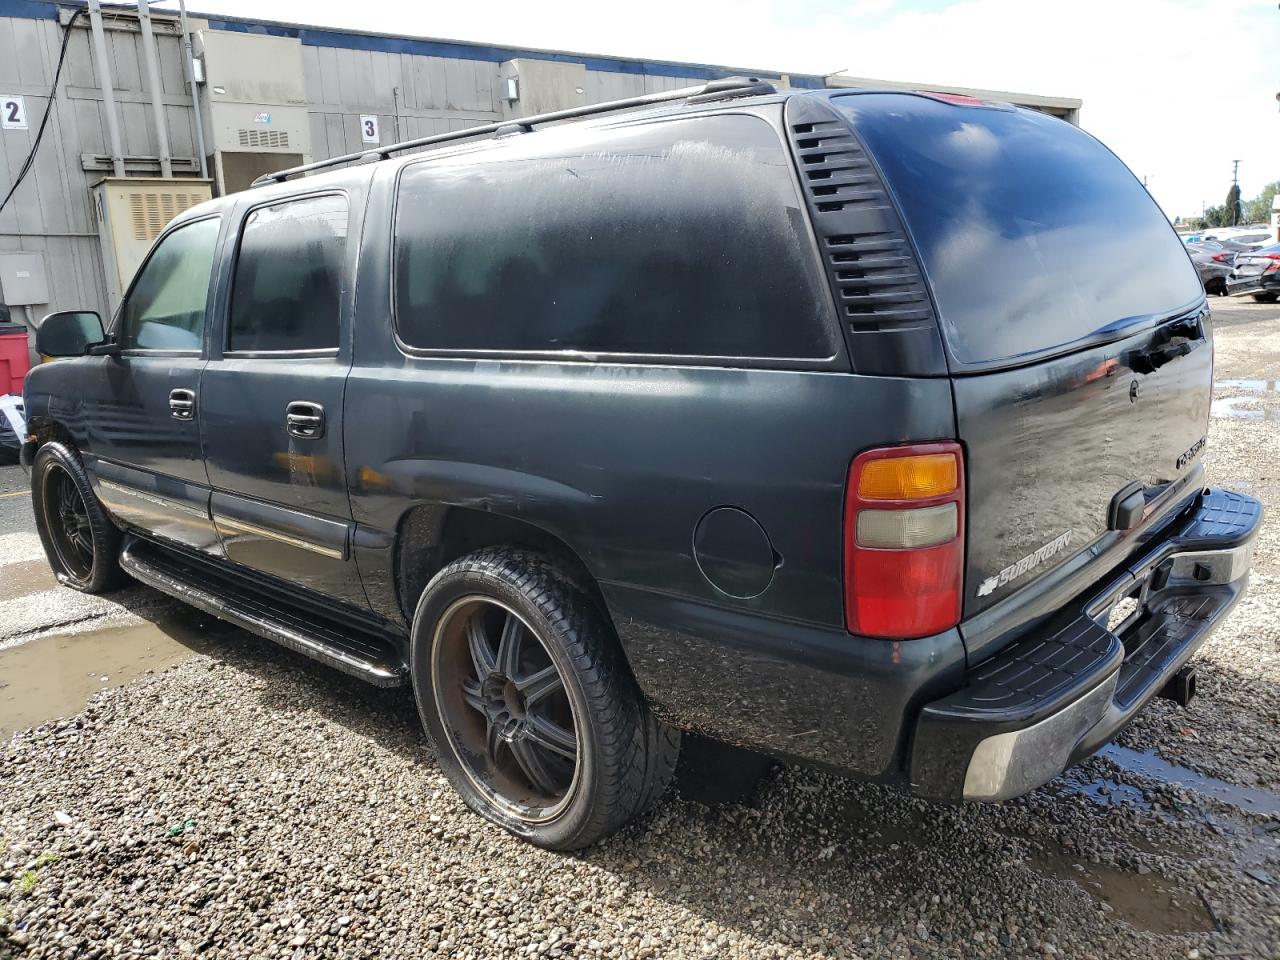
(14, 359)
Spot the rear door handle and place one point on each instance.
(182, 404)
(304, 420)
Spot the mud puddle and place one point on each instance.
(1144, 901)
(54, 676)
(1250, 799)
(1248, 407)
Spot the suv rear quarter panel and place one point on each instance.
(620, 461)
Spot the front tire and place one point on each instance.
(536, 718)
(82, 544)
(1263, 297)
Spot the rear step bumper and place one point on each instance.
(1054, 697)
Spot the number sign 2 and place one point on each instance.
(13, 113)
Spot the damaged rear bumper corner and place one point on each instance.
(1054, 696)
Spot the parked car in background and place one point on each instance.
(1256, 274)
(1252, 240)
(1213, 263)
(1246, 235)
(790, 419)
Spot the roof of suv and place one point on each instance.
(689, 101)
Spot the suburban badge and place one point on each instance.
(1016, 570)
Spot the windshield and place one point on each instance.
(1032, 234)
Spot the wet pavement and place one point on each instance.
(55, 676)
(57, 647)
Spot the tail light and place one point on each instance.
(1222, 257)
(1275, 262)
(962, 99)
(904, 540)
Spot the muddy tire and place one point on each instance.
(537, 721)
(82, 544)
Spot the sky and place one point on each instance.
(1177, 88)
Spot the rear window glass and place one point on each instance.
(288, 283)
(1032, 234)
(676, 238)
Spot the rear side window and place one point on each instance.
(676, 238)
(1032, 234)
(288, 285)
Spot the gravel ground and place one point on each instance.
(250, 803)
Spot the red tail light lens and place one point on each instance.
(904, 553)
(1222, 257)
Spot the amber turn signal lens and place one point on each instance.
(909, 478)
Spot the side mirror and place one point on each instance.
(69, 334)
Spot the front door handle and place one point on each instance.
(182, 404)
(304, 420)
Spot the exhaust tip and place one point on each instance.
(1181, 687)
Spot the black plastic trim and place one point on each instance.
(886, 313)
(219, 591)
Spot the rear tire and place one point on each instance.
(537, 721)
(82, 544)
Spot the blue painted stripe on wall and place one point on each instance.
(28, 9)
(48, 10)
(468, 51)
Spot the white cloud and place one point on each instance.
(1178, 88)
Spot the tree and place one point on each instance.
(1217, 217)
(1232, 206)
(1258, 210)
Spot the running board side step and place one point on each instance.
(355, 652)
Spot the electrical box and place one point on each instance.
(131, 213)
(527, 87)
(22, 279)
(255, 105)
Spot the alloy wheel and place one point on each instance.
(68, 523)
(505, 708)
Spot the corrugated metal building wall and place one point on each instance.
(52, 212)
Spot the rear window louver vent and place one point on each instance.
(884, 306)
(264, 138)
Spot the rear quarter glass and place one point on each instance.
(1031, 233)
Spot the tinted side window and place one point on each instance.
(677, 238)
(165, 309)
(288, 284)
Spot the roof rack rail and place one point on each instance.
(706, 93)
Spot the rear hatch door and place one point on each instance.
(1075, 330)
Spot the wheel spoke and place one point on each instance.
(538, 686)
(84, 545)
(551, 736)
(471, 695)
(481, 654)
(509, 646)
(534, 766)
(492, 741)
